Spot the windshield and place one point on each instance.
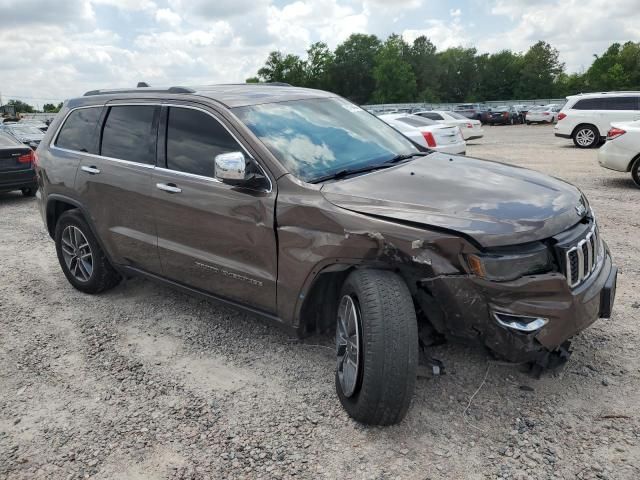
(318, 137)
(416, 121)
(25, 130)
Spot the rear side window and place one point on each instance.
(589, 104)
(78, 131)
(194, 138)
(129, 133)
(621, 103)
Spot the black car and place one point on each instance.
(504, 115)
(16, 166)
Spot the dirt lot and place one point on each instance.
(146, 383)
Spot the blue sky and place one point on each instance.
(51, 51)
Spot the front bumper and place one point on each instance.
(469, 304)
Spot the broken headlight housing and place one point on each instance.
(509, 264)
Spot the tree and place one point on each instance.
(51, 108)
(424, 62)
(498, 75)
(394, 78)
(541, 67)
(318, 66)
(283, 68)
(352, 71)
(618, 68)
(21, 107)
(458, 74)
(252, 80)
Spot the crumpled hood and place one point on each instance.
(494, 203)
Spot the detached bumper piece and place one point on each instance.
(608, 294)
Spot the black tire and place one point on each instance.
(635, 172)
(29, 191)
(586, 136)
(389, 343)
(103, 276)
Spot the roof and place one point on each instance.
(600, 94)
(234, 95)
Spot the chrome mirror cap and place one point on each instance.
(231, 167)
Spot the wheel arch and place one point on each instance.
(635, 160)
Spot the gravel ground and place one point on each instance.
(144, 383)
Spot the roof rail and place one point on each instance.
(139, 90)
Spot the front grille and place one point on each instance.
(582, 259)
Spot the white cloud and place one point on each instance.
(443, 34)
(169, 17)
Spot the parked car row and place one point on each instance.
(24, 132)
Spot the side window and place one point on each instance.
(621, 103)
(129, 133)
(78, 130)
(589, 104)
(194, 138)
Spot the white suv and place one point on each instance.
(586, 118)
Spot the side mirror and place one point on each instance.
(231, 168)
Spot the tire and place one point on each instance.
(387, 353)
(528, 123)
(93, 274)
(635, 172)
(586, 136)
(29, 191)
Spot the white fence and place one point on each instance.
(450, 106)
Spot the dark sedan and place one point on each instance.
(504, 115)
(16, 166)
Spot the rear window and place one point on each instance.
(416, 121)
(129, 133)
(8, 141)
(431, 115)
(589, 104)
(78, 130)
(457, 116)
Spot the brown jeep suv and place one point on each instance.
(303, 208)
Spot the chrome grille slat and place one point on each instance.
(582, 259)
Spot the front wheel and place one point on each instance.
(29, 191)
(586, 137)
(377, 347)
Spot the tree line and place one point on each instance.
(366, 69)
(23, 107)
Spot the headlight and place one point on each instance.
(502, 267)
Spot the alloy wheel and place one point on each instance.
(585, 137)
(77, 253)
(348, 345)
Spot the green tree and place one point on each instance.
(458, 74)
(498, 75)
(352, 70)
(318, 66)
(21, 107)
(51, 108)
(541, 67)
(252, 80)
(424, 61)
(618, 68)
(394, 77)
(283, 68)
(569, 84)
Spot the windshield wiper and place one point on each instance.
(407, 156)
(350, 171)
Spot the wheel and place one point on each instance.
(635, 172)
(528, 123)
(586, 137)
(377, 347)
(29, 191)
(82, 260)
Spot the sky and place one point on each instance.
(50, 50)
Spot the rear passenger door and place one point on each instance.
(115, 184)
(212, 236)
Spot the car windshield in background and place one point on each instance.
(417, 121)
(25, 130)
(318, 137)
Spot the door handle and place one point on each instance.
(92, 170)
(168, 187)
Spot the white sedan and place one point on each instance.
(544, 114)
(434, 136)
(471, 129)
(621, 152)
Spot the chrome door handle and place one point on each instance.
(92, 170)
(168, 187)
